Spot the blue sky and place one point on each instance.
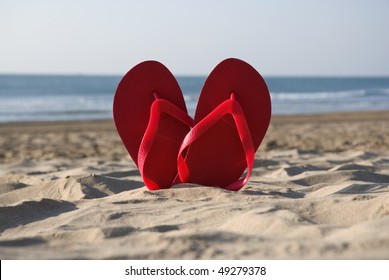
(331, 38)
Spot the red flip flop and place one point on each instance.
(231, 120)
(151, 118)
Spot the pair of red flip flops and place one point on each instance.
(213, 149)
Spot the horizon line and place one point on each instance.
(200, 75)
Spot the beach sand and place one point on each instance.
(319, 190)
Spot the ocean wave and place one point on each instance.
(329, 94)
(383, 90)
(317, 95)
(54, 104)
(69, 98)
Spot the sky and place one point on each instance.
(279, 38)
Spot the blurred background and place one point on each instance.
(62, 60)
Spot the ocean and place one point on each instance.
(58, 98)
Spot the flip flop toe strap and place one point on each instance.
(232, 107)
(158, 107)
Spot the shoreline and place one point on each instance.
(349, 116)
(334, 132)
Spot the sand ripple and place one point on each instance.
(298, 204)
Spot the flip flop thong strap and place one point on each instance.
(232, 107)
(158, 107)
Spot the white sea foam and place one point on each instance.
(317, 95)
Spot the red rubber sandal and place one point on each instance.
(231, 120)
(151, 118)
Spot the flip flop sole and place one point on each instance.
(133, 99)
(217, 158)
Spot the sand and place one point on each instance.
(319, 190)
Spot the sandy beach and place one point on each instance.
(319, 190)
